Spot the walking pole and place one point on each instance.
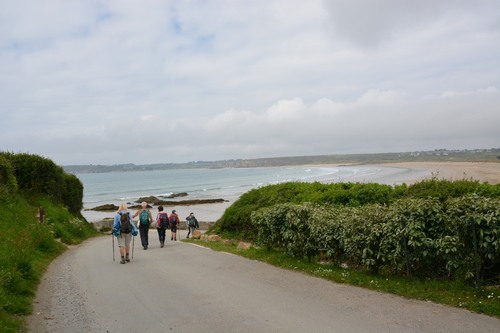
(113, 243)
(133, 238)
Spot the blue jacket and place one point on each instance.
(117, 227)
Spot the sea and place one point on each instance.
(224, 183)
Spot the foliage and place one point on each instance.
(28, 183)
(443, 189)
(455, 239)
(28, 246)
(8, 182)
(237, 216)
(38, 175)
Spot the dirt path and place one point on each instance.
(187, 288)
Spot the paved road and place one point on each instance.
(187, 288)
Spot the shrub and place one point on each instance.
(36, 175)
(8, 182)
(455, 239)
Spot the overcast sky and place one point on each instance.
(127, 81)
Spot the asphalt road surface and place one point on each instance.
(188, 288)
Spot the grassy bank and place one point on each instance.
(454, 293)
(26, 249)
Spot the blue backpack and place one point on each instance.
(144, 217)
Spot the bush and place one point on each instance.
(455, 239)
(8, 182)
(36, 175)
(236, 219)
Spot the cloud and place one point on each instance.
(119, 81)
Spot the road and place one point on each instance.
(188, 288)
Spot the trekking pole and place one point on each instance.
(133, 238)
(113, 244)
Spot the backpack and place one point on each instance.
(163, 220)
(192, 222)
(125, 224)
(173, 220)
(144, 217)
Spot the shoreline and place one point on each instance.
(395, 173)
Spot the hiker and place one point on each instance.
(191, 223)
(161, 225)
(174, 220)
(123, 230)
(145, 219)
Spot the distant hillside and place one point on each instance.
(476, 155)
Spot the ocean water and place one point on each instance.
(103, 188)
(227, 184)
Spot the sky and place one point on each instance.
(157, 81)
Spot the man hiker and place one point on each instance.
(174, 221)
(145, 220)
(191, 223)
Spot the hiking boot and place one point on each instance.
(161, 245)
(127, 259)
(172, 238)
(122, 261)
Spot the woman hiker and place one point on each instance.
(123, 230)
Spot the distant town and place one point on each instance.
(450, 155)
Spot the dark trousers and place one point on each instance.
(144, 231)
(161, 234)
(190, 230)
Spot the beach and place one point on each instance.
(388, 173)
(482, 171)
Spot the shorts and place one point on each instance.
(124, 240)
(173, 228)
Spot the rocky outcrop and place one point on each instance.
(156, 201)
(105, 208)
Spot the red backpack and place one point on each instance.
(163, 220)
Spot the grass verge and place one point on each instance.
(27, 248)
(456, 294)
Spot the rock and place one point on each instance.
(244, 246)
(196, 234)
(227, 242)
(150, 200)
(103, 225)
(139, 206)
(203, 237)
(213, 238)
(105, 208)
(189, 202)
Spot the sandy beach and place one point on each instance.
(481, 171)
(389, 173)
